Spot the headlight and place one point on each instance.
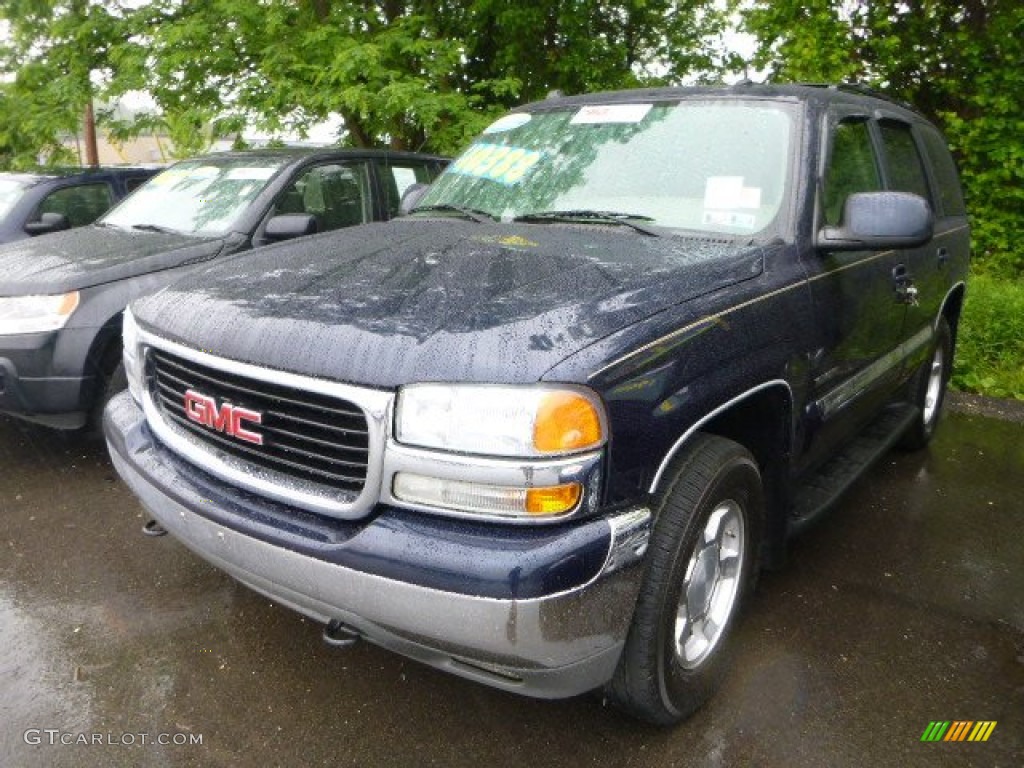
(36, 314)
(132, 357)
(529, 421)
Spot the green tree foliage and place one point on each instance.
(30, 129)
(427, 73)
(52, 47)
(408, 74)
(958, 62)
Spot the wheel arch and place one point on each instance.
(104, 351)
(761, 419)
(952, 305)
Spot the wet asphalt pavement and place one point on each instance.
(905, 606)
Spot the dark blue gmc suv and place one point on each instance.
(543, 431)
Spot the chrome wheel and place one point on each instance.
(711, 585)
(933, 394)
(927, 388)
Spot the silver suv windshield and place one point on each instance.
(717, 166)
(196, 197)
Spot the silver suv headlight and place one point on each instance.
(36, 314)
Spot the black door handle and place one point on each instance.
(899, 273)
(943, 256)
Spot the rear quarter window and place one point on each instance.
(947, 180)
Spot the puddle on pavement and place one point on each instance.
(37, 678)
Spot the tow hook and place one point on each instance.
(340, 635)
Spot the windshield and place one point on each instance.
(197, 197)
(716, 166)
(11, 191)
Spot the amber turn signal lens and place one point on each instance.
(68, 304)
(566, 422)
(552, 501)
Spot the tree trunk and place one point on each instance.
(92, 155)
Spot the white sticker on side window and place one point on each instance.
(597, 114)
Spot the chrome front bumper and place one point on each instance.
(552, 646)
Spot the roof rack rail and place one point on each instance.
(864, 90)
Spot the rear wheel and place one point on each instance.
(930, 390)
(701, 566)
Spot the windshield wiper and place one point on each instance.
(473, 214)
(155, 228)
(593, 217)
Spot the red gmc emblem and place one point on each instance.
(228, 418)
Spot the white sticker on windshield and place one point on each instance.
(250, 174)
(595, 114)
(168, 177)
(730, 219)
(204, 172)
(508, 122)
(729, 193)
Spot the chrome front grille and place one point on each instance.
(321, 441)
(311, 437)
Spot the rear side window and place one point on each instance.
(947, 181)
(852, 167)
(906, 172)
(82, 204)
(398, 177)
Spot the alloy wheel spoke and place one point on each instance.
(729, 567)
(711, 585)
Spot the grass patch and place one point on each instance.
(990, 342)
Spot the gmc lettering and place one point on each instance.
(229, 419)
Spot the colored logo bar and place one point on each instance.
(958, 730)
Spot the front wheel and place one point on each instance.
(701, 566)
(930, 390)
(111, 382)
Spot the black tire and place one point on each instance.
(929, 390)
(658, 680)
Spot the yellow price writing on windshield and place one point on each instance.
(503, 164)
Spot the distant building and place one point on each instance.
(140, 150)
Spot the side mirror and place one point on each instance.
(47, 223)
(290, 225)
(879, 220)
(412, 195)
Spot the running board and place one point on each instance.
(818, 493)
